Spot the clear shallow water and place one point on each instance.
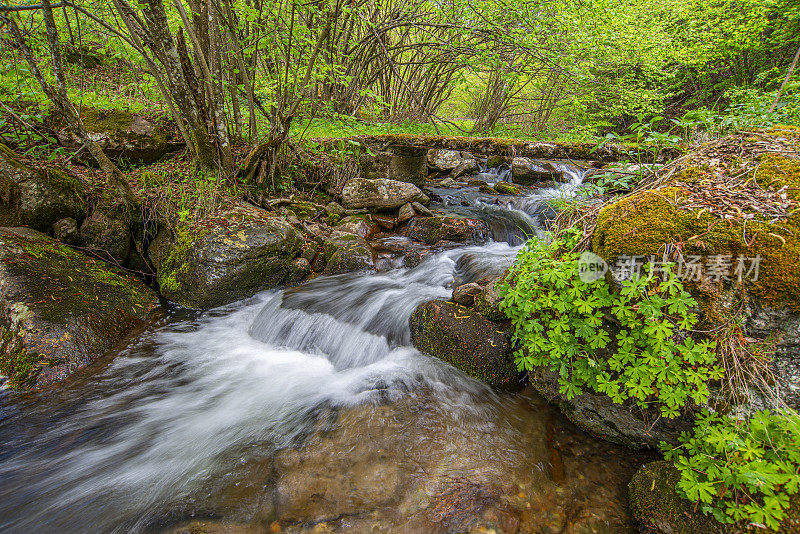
(201, 405)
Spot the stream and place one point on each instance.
(308, 409)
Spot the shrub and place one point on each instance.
(631, 344)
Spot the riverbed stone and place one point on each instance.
(527, 171)
(380, 194)
(432, 230)
(61, 309)
(346, 252)
(232, 256)
(505, 188)
(598, 415)
(464, 339)
(487, 302)
(396, 162)
(37, 197)
(465, 293)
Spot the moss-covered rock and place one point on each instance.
(531, 172)
(37, 197)
(659, 509)
(380, 194)
(396, 162)
(505, 188)
(431, 230)
(123, 136)
(106, 237)
(464, 339)
(345, 252)
(235, 255)
(60, 309)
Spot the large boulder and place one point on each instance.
(527, 171)
(60, 309)
(380, 194)
(431, 230)
(235, 255)
(444, 160)
(464, 339)
(37, 197)
(123, 136)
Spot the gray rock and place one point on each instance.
(405, 213)
(467, 166)
(432, 230)
(66, 231)
(400, 163)
(380, 194)
(334, 208)
(444, 160)
(60, 309)
(422, 210)
(106, 237)
(530, 172)
(242, 252)
(465, 293)
(37, 197)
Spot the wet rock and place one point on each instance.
(467, 166)
(659, 509)
(421, 209)
(37, 197)
(66, 231)
(464, 339)
(487, 302)
(345, 253)
(619, 423)
(384, 221)
(495, 161)
(380, 194)
(106, 237)
(505, 188)
(61, 309)
(405, 213)
(465, 293)
(239, 253)
(487, 189)
(531, 172)
(411, 259)
(123, 136)
(448, 182)
(431, 230)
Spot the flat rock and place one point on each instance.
(380, 194)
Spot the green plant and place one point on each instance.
(633, 344)
(740, 470)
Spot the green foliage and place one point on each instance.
(646, 355)
(740, 471)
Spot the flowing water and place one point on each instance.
(304, 406)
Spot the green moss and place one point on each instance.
(21, 367)
(646, 223)
(657, 506)
(97, 120)
(174, 269)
